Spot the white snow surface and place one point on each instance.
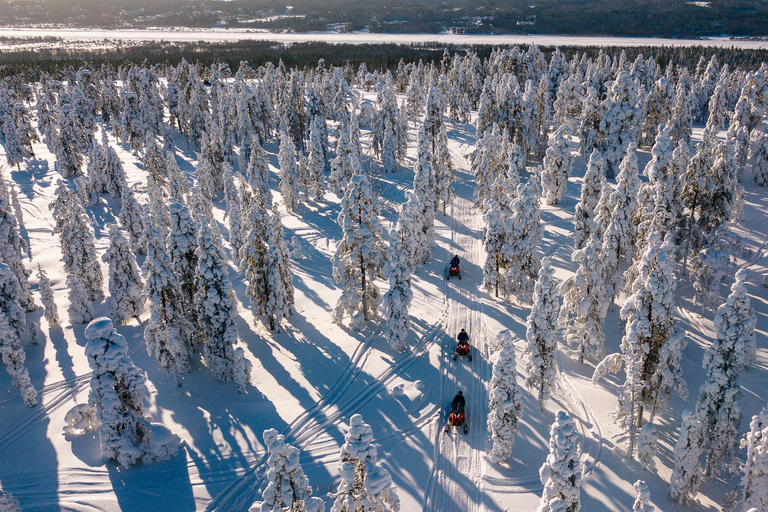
(309, 379)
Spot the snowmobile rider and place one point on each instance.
(455, 260)
(462, 339)
(458, 402)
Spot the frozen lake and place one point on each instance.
(221, 35)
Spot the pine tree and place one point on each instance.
(621, 121)
(444, 172)
(117, 395)
(80, 308)
(504, 403)
(359, 258)
(169, 332)
(562, 471)
(46, 295)
(686, 476)
(754, 483)
(486, 163)
(498, 210)
(591, 188)
(289, 172)
(178, 186)
(541, 333)
(215, 303)
(344, 164)
(424, 188)
(558, 163)
(66, 147)
(181, 248)
(12, 323)
(647, 442)
(288, 487)
(525, 233)
(317, 159)
(398, 298)
(277, 294)
(132, 220)
(365, 485)
(234, 215)
(585, 301)
(125, 285)
(642, 502)
(11, 250)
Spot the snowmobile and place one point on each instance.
(457, 417)
(462, 346)
(454, 270)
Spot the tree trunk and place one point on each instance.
(362, 280)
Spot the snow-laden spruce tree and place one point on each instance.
(289, 172)
(622, 116)
(525, 233)
(591, 188)
(8, 503)
(317, 159)
(504, 403)
(443, 169)
(619, 235)
(647, 443)
(181, 247)
(11, 251)
(717, 409)
(215, 304)
(409, 226)
(424, 189)
(77, 242)
(276, 299)
(169, 332)
(132, 220)
(346, 161)
(561, 472)
(754, 482)
(663, 210)
(541, 333)
(46, 295)
(359, 257)
(117, 394)
(288, 488)
(758, 155)
(257, 175)
(739, 318)
(398, 297)
(125, 285)
(498, 210)
(585, 301)
(686, 475)
(178, 186)
(80, 307)
(486, 163)
(12, 323)
(670, 375)
(234, 215)
(558, 163)
(643, 500)
(365, 485)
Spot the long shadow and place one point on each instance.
(61, 346)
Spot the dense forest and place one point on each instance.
(676, 18)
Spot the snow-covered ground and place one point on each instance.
(309, 379)
(221, 35)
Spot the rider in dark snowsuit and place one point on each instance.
(458, 402)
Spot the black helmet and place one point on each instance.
(463, 330)
(462, 394)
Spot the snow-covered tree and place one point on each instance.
(215, 304)
(525, 232)
(591, 188)
(46, 295)
(647, 442)
(125, 285)
(178, 186)
(443, 169)
(132, 220)
(8, 503)
(317, 159)
(486, 163)
(504, 403)
(117, 394)
(621, 121)
(424, 190)
(541, 333)
(498, 210)
(80, 308)
(276, 298)
(359, 258)
(181, 248)
(289, 172)
(365, 485)
(558, 163)
(686, 476)
(758, 154)
(398, 297)
(288, 488)
(642, 502)
(585, 301)
(754, 482)
(11, 250)
(234, 215)
(12, 323)
(561, 472)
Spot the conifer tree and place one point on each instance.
(562, 471)
(754, 482)
(132, 220)
(359, 258)
(504, 403)
(621, 121)
(647, 443)
(215, 303)
(317, 160)
(365, 485)
(181, 246)
(642, 502)
(80, 308)
(759, 157)
(117, 395)
(234, 215)
(541, 333)
(591, 188)
(12, 323)
(558, 163)
(289, 172)
(424, 188)
(398, 297)
(486, 163)
(443, 169)
(125, 285)
(276, 300)
(525, 233)
(498, 210)
(288, 487)
(11, 250)
(46, 294)
(686, 476)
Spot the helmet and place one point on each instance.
(463, 330)
(462, 394)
